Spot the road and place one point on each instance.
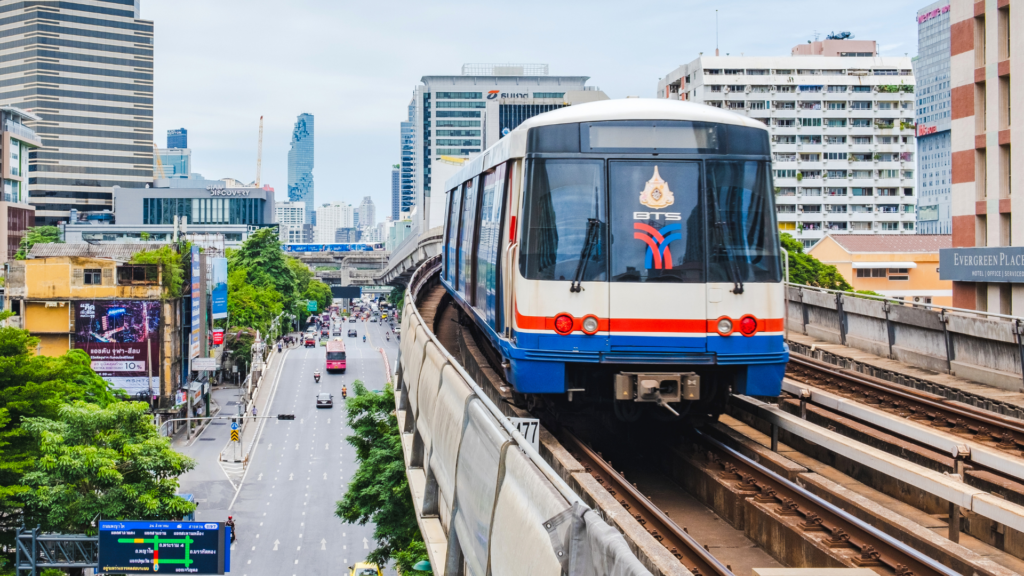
(284, 504)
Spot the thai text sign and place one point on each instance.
(196, 304)
(995, 264)
(115, 334)
(164, 547)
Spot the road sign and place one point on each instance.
(204, 364)
(311, 306)
(530, 429)
(234, 425)
(234, 435)
(154, 547)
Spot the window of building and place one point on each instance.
(837, 105)
(785, 173)
(458, 95)
(785, 89)
(862, 208)
(549, 94)
(870, 272)
(834, 88)
(733, 72)
(835, 139)
(862, 88)
(715, 88)
(808, 72)
(838, 174)
(712, 71)
(757, 72)
(458, 123)
(861, 139)
(757, 105)
(783, 72)
(860, 122)
(889, 226)
(863, 191)
(461, 105)
(886, 72)
(836, 191)
(785, 122)
(810, 122)
(92, 276)
(899, 274)
(835, 155)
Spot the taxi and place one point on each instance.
(364, 569)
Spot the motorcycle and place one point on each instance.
(364, 338)
(344, 393)
(316, 376)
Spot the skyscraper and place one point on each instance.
(396, 193)
(300, 165)
(934, 146)
(86, 69)
(366, 214)
(330, 218)
(177, 138)
(410, 166)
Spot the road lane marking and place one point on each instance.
(276, 542)
(323, 544)
(365, 547)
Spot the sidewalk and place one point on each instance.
(233, 452)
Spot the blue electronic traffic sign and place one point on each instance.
(170, 547)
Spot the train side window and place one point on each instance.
(447, 230)
(453, 236)
(465, 249)
(488, 239)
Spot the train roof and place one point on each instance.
(514, 144)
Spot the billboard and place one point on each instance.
(219, 299)
(193, 349)
(346, 291)
(130, 546)
(997, 264)
(115, 334)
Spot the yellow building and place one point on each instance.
(89, 297)
(904, 266)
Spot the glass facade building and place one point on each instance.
(300, 165)
(409, 166)
(934, 143)
(174, 163)
(204, 210)
(177, 138)
(86, 69)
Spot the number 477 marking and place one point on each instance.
(530, 429)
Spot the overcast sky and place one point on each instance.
(221, 64)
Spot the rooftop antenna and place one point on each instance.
(716, 32)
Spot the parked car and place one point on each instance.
(324, 400)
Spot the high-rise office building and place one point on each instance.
(331, 217)
(396, 191)
(86, 69)
(450, 114)
(983, 161)
(366, 214)
(177, 138)
(841, 122)
(931, 73)
(410, 165)
(172, 163)
(300, 165)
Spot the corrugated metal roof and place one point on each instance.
(121, 252)
(893, 243)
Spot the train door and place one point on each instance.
(658, 297)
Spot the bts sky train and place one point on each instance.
(350, 247)
(625, 251)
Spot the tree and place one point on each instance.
(320, 292)
(379, 490)
(108, 462)
(808, 270)
(301, 272)
(37, 235)
(250, 305)
(265, 264)
(171, 263)
(34, 386)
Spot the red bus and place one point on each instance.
(336, 355)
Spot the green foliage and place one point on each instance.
(250, 305)
(379, 490)
(405, 559)
(34, 387)
(302, 274)
(37, 235)
(107, 461)
(808, 270)
(317, 290)
(238, 344)
(325, 268)
(144, 236)
(265, 265)
(895, 88)
(172, 267)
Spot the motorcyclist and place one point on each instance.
(364, 337)
(344, 392)
(388, 337)
(278, 346)
(231, 523)
(316, 376)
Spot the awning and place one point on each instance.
(857, 265)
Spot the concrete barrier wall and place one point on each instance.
(500, 507)
(986, 349)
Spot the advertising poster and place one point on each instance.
(219, 300)
(115, 333)
(196, 308)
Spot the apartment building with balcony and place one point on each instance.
(842, 133)
(986, 262)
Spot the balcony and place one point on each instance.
(23, 133)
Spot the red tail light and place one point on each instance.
(563, 324)
(748, 326)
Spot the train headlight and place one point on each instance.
(748, 326)
(724, 326)
(590, 325)
(563, 324)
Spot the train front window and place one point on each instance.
(657, 221)
(744, 238)
(562, 199)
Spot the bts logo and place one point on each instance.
(658, 257)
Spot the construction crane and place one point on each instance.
(259, 155)
(159, 164)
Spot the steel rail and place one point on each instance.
(679, 543)
(927, 400)
(874, 543)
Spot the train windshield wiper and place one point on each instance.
(593, 225)
(731, 265)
